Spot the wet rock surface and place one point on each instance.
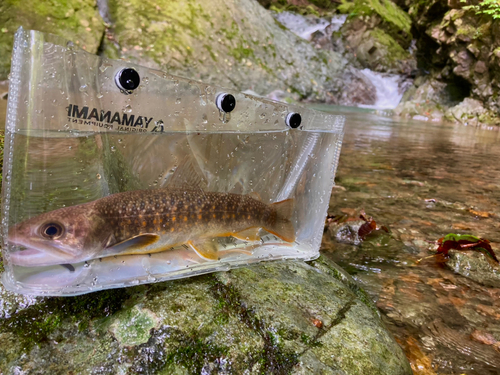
(76, 20)
(476, 267)
(275, 318)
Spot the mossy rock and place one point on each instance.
(273, 318)
(378, 51)
(234, 44)
(393, 20)
(76, 20)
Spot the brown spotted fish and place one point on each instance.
(144, 222)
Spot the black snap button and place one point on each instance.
(225, 102)
(293, 120)
(127, 79)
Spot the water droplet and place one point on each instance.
(120, 140)
(128, 108)
(262, 115)
(178, 101)
(83, 88)
(113, 148)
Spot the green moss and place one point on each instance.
(36, 323)
(395, 21)
(136, 333)
(242, 52)
(394, 51)
(326, 265)
(169, 349)
(274, 358)
(76, 20)
(210, 51)
(310, 341)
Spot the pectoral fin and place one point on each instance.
(205, 248)
(134, 245)
(250, 234)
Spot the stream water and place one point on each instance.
(423, 181)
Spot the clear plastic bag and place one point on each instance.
(118, 175)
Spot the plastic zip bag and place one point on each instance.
(117, 175)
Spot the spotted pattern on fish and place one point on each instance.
(168, 211)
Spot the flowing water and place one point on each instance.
(422, 181)
(388, 89)
(306, 26)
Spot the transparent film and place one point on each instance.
(118, 175)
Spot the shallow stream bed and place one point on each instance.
(423, 181)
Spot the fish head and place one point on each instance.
(67, 235)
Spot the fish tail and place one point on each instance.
(279, 223)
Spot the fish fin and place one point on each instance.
(282, 227)
(241, 251)
(69, 267)
(134, 245)
(255, 195)
(250, 234)
(186, 175)
(285, 208)
(205, 248)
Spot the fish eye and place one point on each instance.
(51, 230)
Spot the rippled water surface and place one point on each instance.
(422, 181)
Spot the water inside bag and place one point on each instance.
(72, 138)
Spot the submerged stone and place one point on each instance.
(475, 266)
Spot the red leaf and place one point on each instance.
(465, 242)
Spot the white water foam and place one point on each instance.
(388, 91)
(306, 26)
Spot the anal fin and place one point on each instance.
(206, 248)
(250, 234)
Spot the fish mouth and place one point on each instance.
(33, 257)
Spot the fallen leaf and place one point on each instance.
(465, 242)
(420, 363)
(483, 214)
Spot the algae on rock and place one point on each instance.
(274, 318)
(76, 20)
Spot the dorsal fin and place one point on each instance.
(255, 195)
(186, 175)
